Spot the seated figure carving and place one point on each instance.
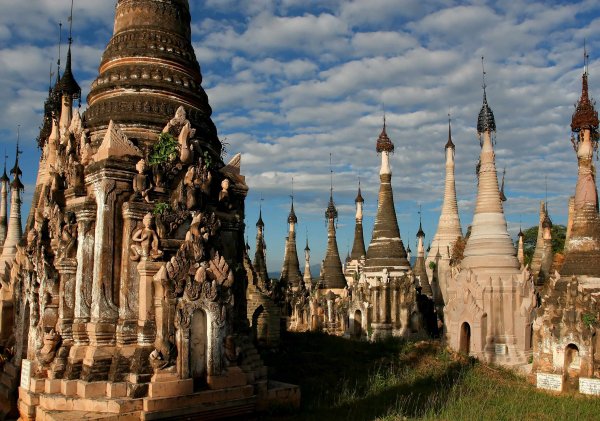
(146, 242)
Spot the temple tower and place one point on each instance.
(582, 250)
(356, 259)
(520, 250)
(14, 231)
(4, 187)
(488, 310)
(148, 70)
(386, 265)
(449, 228)
(536, 259)
(419, 269)
(290, 273)
(386, 250)
(307, 276)
(260, 259)
(541, 262)
(333, 276)
(143, 291)
(565, 343)
(489, 248)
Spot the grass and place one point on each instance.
(395, 380)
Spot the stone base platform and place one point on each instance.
(205, 405)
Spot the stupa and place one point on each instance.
(490, 299)
(132, 283)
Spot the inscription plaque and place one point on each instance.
(501, 349)
(553, 382)
(25, 374)
(589, 386)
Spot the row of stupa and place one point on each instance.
(472, 294)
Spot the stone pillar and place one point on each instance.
(110, 180)
(385, 317)
(85, 215)
(67, 269)
(146, 316)
(377, 305)
(394, 308)
(129, 298)
(164, 311)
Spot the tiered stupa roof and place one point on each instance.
(386, 249)
(489, 247)
(333, 276)
(148, 70)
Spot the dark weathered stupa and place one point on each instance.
(148, 70)
(130, 289)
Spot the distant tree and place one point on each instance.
(530, 238)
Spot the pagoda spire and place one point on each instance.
(307, 277)
(290, 273)
(333, 276)
(4, 187)
(582, 248)
(358, 247)
(14, 230)
(260, 258)
(449, 228)
(419, 270)
(489, 246)
(386, 250)
(520, 248)
(536, 259)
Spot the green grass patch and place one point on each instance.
(394, 380)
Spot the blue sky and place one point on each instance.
(291, 81)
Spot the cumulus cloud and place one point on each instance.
(292, 82)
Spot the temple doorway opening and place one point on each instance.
(572, 361)
(357, 324)
(465, 338)
(198, 345)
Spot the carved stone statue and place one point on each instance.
(75, 176)
(68, 237)
(186, 155)
(190, 181)
(224, 199)
(141, 182)
(232, 352)
(147, 241)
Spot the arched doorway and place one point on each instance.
(465, 338)
(357, 324)
(572, 361)
(198, 345)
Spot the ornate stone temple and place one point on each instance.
(488, 312)
(132, 282)
(385, 282)
(566, 338)
(448, 230)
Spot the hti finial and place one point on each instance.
(292, 195)
(546, 180)
(483, 74)
(586, 58)
(51, 73)
(59, 45)
(384, 116)
(331, 175)
(71, 24)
